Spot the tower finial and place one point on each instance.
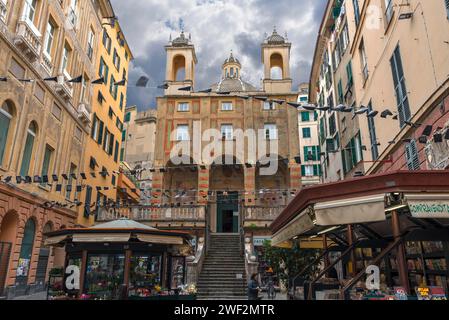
(274, 29)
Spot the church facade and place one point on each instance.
(216, 149)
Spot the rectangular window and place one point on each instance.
(400, 88)
(305, 116)
(271, 132)
(49, 38)
(363, 61)
(123, 135)
(183, 107)
(349, 74)
(106, 142)
(72, 12)
(90, 44)
(332, 125)
(27, 153)
(116, 59)
(182, 133)
(111, 144)
(356, 11)
(308, 171)
(122, 154)
(306, 133)
(56, 111)
(268, 105)
(388, 10)
(84, 82)
(66, 59)
(106, 41)
(47, 159)
(226, 106)
(372, 134)
(94, 133)
(127, 117)
(341, 97)
(29, 12)
(447, 7)
(412, 156)
(113, 88)
(227, 132)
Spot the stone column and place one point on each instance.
(203, 185)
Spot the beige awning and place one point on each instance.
(302, 223)
(160, 239)
(51, 241)
(428, 206)
(101, 237)
(351, 211)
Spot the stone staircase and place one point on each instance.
(223, 276)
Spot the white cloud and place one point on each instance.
(216, 26)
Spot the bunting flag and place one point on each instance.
(53, 79)
(120, 83)
(164, 86)
(99, 81)
(76, 80)
(3, 79)
(205, 91)
(142, 82)
(189, 88)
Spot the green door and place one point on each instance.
(227, 213)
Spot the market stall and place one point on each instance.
(396, 222)
(123, 259)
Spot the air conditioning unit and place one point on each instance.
(83, 113)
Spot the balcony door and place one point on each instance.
(228, 212)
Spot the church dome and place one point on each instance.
(275, 38)
(232, 85)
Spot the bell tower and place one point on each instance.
(181, 61)
(276, 60)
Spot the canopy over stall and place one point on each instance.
(320, 209)
(122, 230)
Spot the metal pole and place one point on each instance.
(352, 261)
(83, 271)
(400, 254)
(326, 256)
(126, 273)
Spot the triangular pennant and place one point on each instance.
(76, 80)
(99, 81)
(54, 79)
(164, 86)
(142, 82)
(189, 88)
(120, 83)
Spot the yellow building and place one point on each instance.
(44, 125)
(102, 157)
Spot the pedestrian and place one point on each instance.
(253, 288)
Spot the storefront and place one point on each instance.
(122, 259)
(384, 234)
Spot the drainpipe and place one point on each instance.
(400, 253)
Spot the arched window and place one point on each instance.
(179, 68)
(276, 67)
(28, 150)
(6, 114)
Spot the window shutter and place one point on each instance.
(94, 123)
(24, 169)
(343, 156)
(303, 171)
(116, 151)
(87, 201)
(100, 134)
(315, 170)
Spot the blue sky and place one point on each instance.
(216, 28)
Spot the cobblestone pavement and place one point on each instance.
(37, 296)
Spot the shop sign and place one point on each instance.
(259, 241)
(438, 293)
(429, 209)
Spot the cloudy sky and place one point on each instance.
(216, 27)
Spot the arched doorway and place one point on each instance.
(8, 232)
(276, 67)
(42, 262)
(26, 254)
(227, 182)
(179, 68)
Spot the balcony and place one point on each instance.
(28, 39)
(3, 10)
(157, 215)
(63, 88)
(261, 215)
(84, 113)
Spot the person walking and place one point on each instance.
(253, 288)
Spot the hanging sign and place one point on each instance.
(429, 209)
